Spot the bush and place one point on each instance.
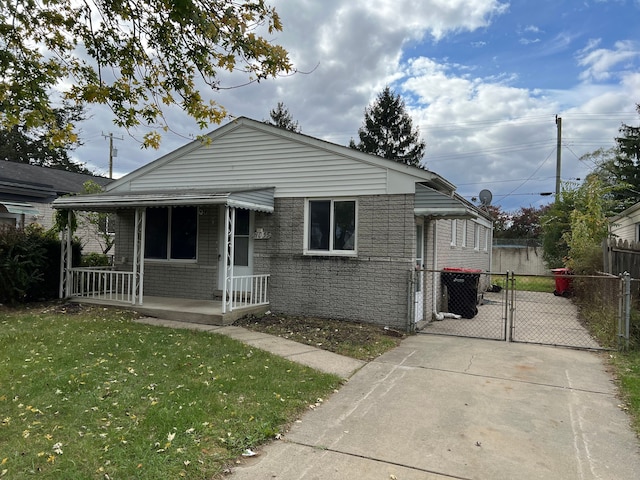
(95, 260)
(21, 259)
(30, 264)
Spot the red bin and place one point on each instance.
(563, 282)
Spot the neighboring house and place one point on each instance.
(626, 225)
(621, 251)
(27, 191)
(259, 215)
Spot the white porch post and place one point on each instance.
(229, 234)
(138, 255)
(65, 259)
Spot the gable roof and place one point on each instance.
(41, 184)
(248, 153)
(625, 213)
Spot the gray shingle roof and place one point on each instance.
(42, 184)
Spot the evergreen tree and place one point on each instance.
(281, 117)
(388, 131)
(33, 146)
(626, 165)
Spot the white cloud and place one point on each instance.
(600, 62)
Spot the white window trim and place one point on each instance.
(329, 253)
(486, 239)
(454, 232)
(476, 237)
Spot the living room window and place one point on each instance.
(331, 227)
(171, 233)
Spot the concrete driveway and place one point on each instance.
(440, 407)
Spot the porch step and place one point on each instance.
(205, 312)
(205, 318)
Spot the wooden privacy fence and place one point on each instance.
(621, 256)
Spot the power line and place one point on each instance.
(528, 179)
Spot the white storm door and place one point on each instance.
(243, 243)
(419, 266)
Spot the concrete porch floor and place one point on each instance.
(207, 312)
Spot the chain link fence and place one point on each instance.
(590, 312)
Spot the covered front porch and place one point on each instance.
(238, 292)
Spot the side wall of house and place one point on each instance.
(181, 279)
(455, 246)
(371, 287)
(626, 228)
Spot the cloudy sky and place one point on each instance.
(482, 79)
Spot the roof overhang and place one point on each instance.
(18, 208)
(431, 203)
(258, 199)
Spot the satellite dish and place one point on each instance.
(485, 198)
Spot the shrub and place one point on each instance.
(95, 260)
(21, 259)
(30, 264)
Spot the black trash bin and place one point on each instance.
(462, 288)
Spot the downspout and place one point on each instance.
(434, 268)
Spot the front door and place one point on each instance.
(419, 283)
(242, 246)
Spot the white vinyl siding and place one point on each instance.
(250, 157)
(245, 153)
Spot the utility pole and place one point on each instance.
(558, 155)
(113, 152)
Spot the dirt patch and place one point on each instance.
(354, 339)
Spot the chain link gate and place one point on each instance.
(463, 303)
(541, 309)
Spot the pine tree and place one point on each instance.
(388, 131)
(281, 117)
(625, 166)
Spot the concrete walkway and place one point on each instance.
(440, 407)
(312, 357)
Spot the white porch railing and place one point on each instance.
(103, 283)
(249, 290)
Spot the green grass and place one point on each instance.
(627, 367)
(94, 395)
(529, 283)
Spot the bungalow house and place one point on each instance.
(262, 217)
(27, 192)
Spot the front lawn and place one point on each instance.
(87, 393)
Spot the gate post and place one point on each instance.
(411, 302)
(626, 310)
(510, 306)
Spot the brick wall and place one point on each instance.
(371, 287)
